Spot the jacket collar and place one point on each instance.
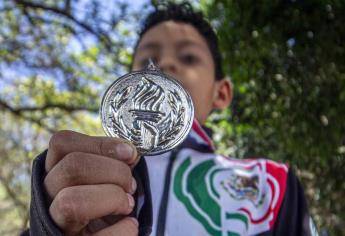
(199, 138)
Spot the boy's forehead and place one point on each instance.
(171, 33)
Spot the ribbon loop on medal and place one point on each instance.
(151, 65)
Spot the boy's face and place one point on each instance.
(180, 51)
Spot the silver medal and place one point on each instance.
(149, 109)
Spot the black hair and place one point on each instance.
(183, 12)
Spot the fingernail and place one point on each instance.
(130, 201)
(135, 221)
(133, 186)
(124, 151)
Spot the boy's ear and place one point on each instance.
(223, 94)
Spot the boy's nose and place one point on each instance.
(168, 66)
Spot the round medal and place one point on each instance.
(148, 108)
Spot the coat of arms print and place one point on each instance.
(230, 197)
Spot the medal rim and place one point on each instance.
(166, 77)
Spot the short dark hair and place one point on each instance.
(183, 12)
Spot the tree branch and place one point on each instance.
(19, 112)
(100, 35)
(68, 6)
(65, 107)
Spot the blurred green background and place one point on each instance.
(286, 60)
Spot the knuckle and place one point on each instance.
(71, 166)
(66, 205)
(59, 138)
(66, 173)
(71, 161)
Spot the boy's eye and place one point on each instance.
(189, 59)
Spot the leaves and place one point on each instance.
(285, 60)
(56, 59)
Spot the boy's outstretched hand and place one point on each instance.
(89, 183)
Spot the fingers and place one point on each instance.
(89, 178)
(64, 142)
(78, 168)
(99, 224)
(74, 207)
(125, 227)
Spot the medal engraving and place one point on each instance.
(149, 109)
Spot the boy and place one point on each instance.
(87, 185)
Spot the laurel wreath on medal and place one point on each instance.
(173, 123)
(167, 129)
(116, 118)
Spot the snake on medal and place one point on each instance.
(149, 109)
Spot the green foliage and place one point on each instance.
(285, 59)
(56, 59)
